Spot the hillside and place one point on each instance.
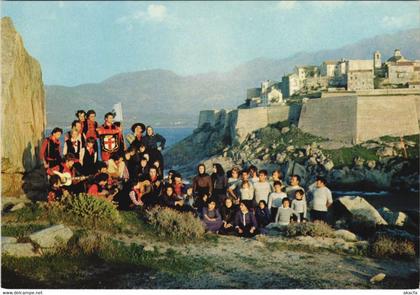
(164, 98)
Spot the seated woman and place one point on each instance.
(211, 217)
(228, 217)
(262, 214)
(245, 222)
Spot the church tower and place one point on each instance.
(377, 63)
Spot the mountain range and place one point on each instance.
(165, 99)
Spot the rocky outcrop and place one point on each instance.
(23, 110)
(10, 246)
(358, 206)
(52, 236)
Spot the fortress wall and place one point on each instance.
(249, 120)
(277, 113)
(207, 116)
(417, 102)
(332, 117)
(386, 115)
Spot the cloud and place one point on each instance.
(155, 13)
(398, 21)
(286, 5)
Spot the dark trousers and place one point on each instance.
(273, 213)
(319, 215)
(227, 231)
(246, 231)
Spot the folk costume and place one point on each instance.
(51, 152)
(111, 140)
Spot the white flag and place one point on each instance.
(117, 109)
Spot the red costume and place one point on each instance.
(111, 140)
(51, 151)
(90, 129)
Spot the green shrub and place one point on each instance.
(316, 229)
(174, 224)
(384, 246)
(83, 210)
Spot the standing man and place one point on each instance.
(110, 137)
(322, 200)
(50, 153)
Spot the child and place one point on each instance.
(275, 199)
(247, 194)
(189, 197)
(211, 217)
(262, 214)
(55, 192)
(299, 205)
(284, 214)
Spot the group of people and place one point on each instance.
(98, 161)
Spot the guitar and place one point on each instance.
(66, 178)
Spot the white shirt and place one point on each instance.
(321, 197)
(275, 199)
(261, 191)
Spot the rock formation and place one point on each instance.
(23, 110)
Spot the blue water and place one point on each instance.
(172, 135)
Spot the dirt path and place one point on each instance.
(250, 263)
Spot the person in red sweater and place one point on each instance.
(98, 188)
(111, 138)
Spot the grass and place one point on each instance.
(345, 156)
(316, 229)
(21, 230)
(384, 246)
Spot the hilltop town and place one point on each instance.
(396, 72)
(334, 100)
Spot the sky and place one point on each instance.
(87, 42)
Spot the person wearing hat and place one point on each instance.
(136, 138)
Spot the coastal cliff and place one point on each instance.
(23, 110)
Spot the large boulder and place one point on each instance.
(19, 250)
(10, 246)
(359, 206)
(394, 218)
(23, 110)
(52, 236)
(345, 235)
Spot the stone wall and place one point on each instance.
(355, 118)
(333, 118)
(23, 110)
(386, 115)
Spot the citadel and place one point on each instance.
(347, 100)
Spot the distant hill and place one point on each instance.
(163, 98)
